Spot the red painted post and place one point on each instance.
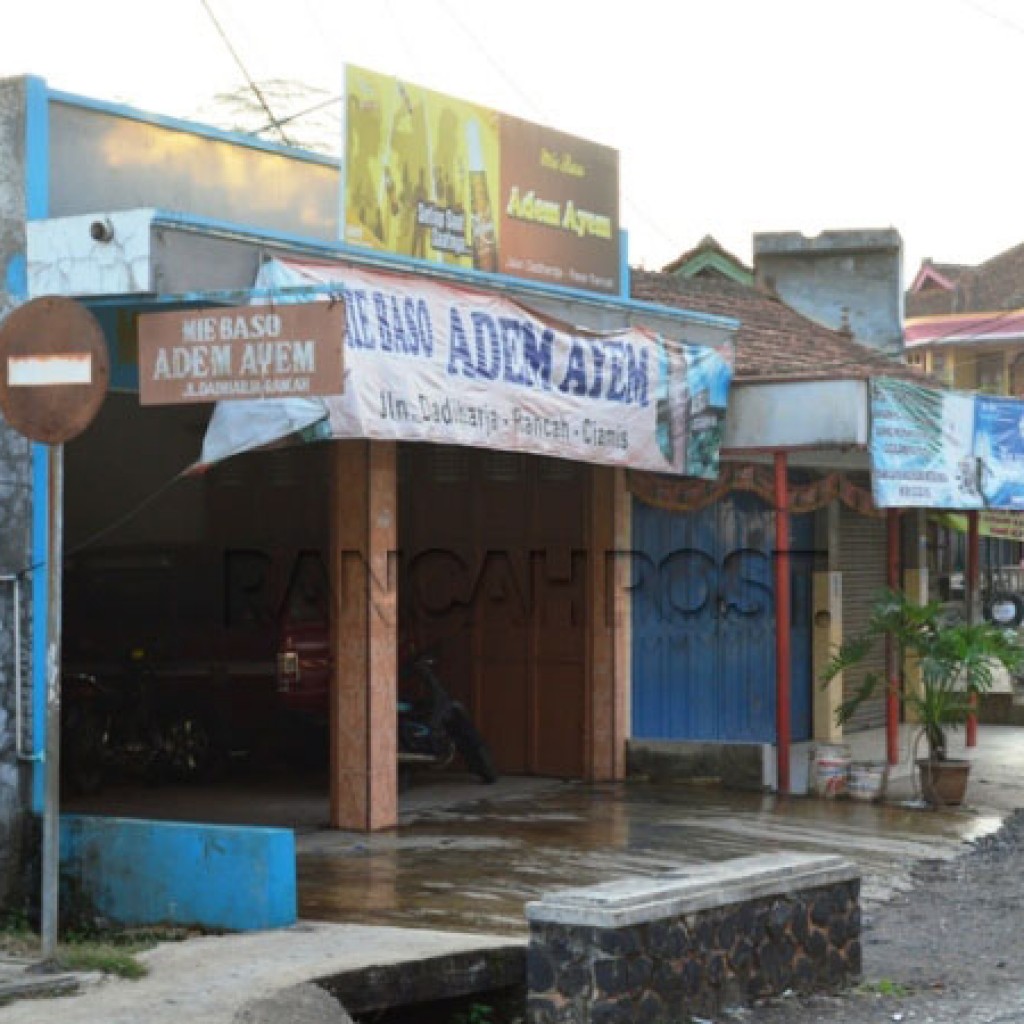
(782, 623)
(972, 590)
(893, 670)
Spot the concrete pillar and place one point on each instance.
(827, 630)
(602, 701)
(364, 774)
(622, 621)
(916, 587)
(826, 638)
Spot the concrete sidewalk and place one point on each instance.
(456, 875)
(210, 980)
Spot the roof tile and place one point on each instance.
(774, 341)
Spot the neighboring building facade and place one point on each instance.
(965, 324)
(841, 538)
(846, 280)
(965, 327)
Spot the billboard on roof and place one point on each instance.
(437, 178)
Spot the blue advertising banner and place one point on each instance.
(945, 449)
(999, 447)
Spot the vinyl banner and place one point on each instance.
(999, 446)
(426, 361)
(997, 523)
(921, 447)
(442, 179)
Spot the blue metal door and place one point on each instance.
(704, 623)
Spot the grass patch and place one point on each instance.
(110, 951)
(107, 957)
(884, 987)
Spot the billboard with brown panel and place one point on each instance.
(441, 179)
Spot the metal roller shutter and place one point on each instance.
(862, 560)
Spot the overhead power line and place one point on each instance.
(274, 122)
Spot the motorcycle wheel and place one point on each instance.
(189, 749)
(1005, 610)
(471, 746)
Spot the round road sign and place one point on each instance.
(54, 369)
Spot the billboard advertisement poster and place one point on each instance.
(430, 361)
(921, 447)
(433, 177)
(999, 446)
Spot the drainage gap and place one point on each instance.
(487, 979)
(499, 1006)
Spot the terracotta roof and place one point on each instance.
(774, 341)
(996, 284)
(708, 244)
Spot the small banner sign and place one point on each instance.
(1001, 524)
(241, 352)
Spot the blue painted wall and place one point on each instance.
(704, 623)
(139, 872)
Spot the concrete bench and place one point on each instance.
(690, 942)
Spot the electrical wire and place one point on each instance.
(540, 112)
(300, 113)
(257, 92)
(999, 19)
(110, 527)
(128, 516)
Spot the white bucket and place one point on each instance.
(831, 769)
(868, 780)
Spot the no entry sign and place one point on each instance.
(54, 369)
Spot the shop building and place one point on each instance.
(523, 567)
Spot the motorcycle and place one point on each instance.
(433, 728)
(124, 729)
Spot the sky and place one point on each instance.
(730, 116)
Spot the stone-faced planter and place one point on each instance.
(691, 942)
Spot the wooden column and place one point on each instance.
(364, 776)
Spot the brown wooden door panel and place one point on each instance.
(495, 576)
(559, 743)
(504, 714)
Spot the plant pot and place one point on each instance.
(830, 769)
(943, 783)
(868, 781)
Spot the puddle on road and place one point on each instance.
(474, 867)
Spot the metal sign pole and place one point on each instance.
(51, 809)
(57, 369)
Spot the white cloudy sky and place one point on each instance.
(731, 116)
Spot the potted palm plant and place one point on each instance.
(957, 660)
